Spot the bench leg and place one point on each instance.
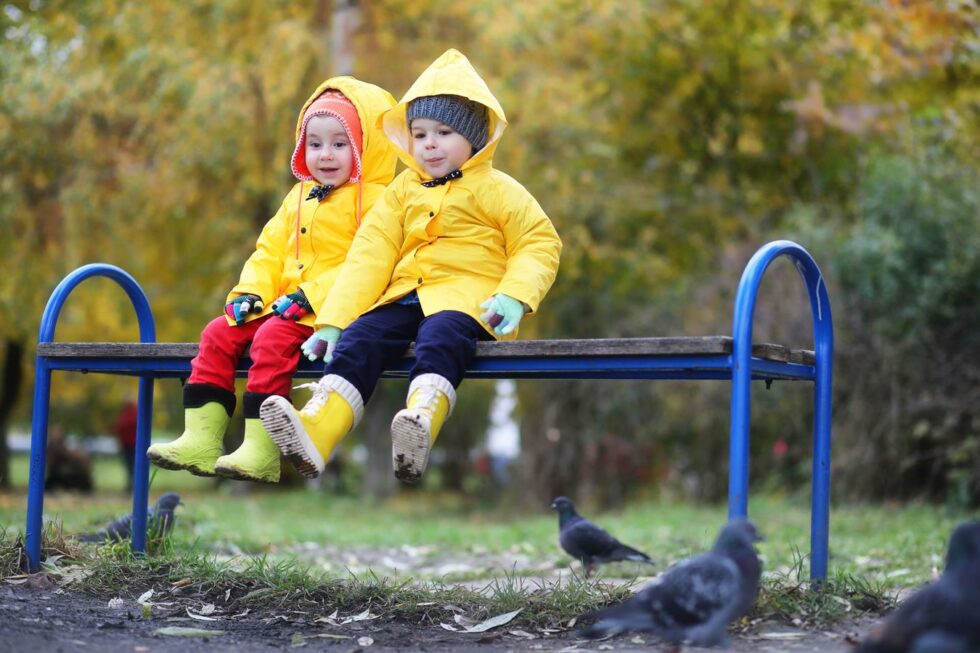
(141, 466)
(820, 498)
(738, 455)
(39, 446)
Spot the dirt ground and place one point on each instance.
(40, 616)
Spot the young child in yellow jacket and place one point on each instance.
(343, 162)
(455, 252)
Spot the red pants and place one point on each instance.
(275, 354)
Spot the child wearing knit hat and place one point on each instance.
(454, 253)
(343, 162)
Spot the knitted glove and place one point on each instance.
(503, 313)
(321, 344)
(239, 308)
(293, 306)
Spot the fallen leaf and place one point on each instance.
(365, 641)
(181, 631)
(198, 616)
(449, 627)
(145, 597)
(297, 641)
(522, 633)
(363, 616)
(332, 636)
(780, 636)
(207, 608)
(183, 582)
(493, 622)
(116, 604)
(464, 621)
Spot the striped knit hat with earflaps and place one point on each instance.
(336, 105)
(466, 117)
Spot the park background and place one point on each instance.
(666, 140)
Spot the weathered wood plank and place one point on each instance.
(666, 346)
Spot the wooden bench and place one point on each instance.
(707, 357)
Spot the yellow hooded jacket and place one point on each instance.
(455, 244)
(306, 251)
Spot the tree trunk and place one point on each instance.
(13, 376)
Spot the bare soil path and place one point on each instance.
(39, 616)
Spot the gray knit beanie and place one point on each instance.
(468, 118)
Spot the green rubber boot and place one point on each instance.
(256, 460)
(199, 446)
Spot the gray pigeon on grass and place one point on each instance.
(696, 599)
(942, 615)
(160, 519)
(588, 543)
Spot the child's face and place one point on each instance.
(329, 153)
(437, 148)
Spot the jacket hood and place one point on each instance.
(378, 156)
(450, 74)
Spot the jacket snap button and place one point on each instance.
(300, 266)
(420, 279)
(303, 230)
(431, 214)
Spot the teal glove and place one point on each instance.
(321, 344)
(503, 313)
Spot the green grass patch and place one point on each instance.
(343, 553)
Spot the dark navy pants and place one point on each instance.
(445, 343)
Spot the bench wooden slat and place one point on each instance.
(666, 346)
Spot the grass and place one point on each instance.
(343, 552)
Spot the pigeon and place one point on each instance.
(160, 519)
(943, 615)
(695, 600)
(938, 641)
(585, 541)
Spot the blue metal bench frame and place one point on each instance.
(740, 366)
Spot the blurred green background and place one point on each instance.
(667, 140)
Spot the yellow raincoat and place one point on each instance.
(307, 252)
(455, 244)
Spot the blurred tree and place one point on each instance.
(667, 140)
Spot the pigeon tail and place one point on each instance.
(629, 553)
(617, 619)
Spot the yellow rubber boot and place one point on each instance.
(199, 445)
(307, 437)
(256, 460)
(414, 429)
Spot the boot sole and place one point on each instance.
(166, 463)
(238, 475)
(283, 426)
(409, 448)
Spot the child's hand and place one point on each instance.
(239, 308)
(293, 306)
(321, 344)
(503, 313)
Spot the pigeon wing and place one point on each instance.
(694, 592)
(584, 541)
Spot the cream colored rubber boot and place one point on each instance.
(414, 429)
(256, 460)
(199, 445)
(307, 437)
